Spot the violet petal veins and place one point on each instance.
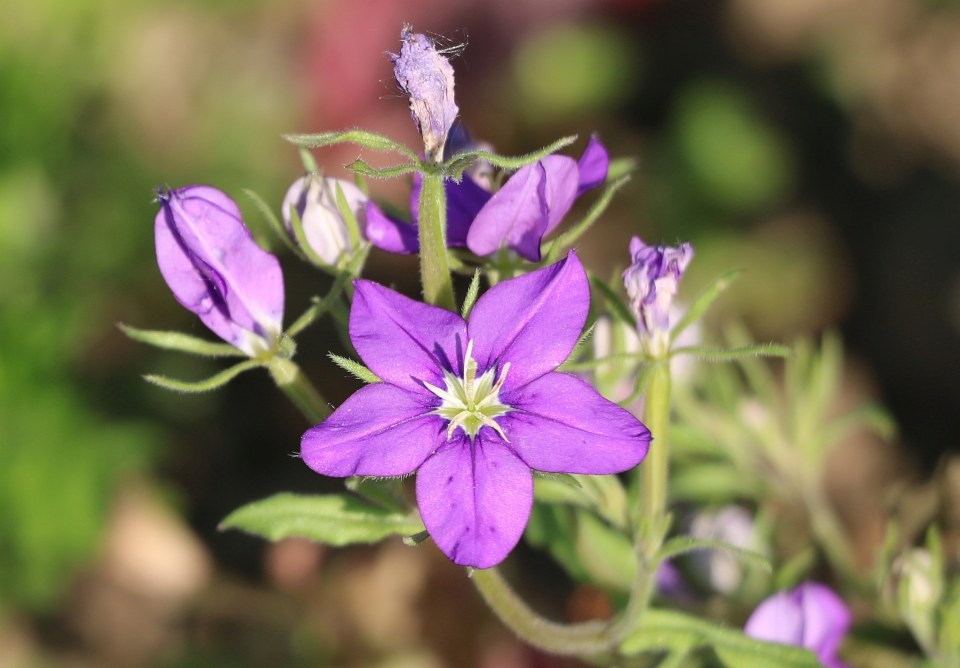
(472, 406)
(426, 77)
(216, 270)
(810, 616)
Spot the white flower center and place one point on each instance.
(470, 402)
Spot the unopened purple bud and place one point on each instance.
(314, 198)
(652, 281)
(811, 616)
(427, 78)
(216, 270)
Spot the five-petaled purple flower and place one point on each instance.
(810, 616)
(427, 78)
(652, 281)
(215, 269)
(472, 406)
(530, 205)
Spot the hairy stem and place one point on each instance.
(434, 266)
(653, 470)
(288, 377)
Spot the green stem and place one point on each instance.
(585, 639)
(653, 470)
(288, 377)
(434, 266)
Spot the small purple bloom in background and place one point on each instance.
(810, 616)
(652, 281)
(314, 198)
(216, 270)
(472, 406)
(427, 78)
(529, 205)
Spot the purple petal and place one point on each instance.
(389, 234)
(561, 424)
(592, 166)
(827, 618)
(216, 270)
(464, 201)
(403, 341)
(381, 430)
(777, 619)
(532, 321)
(529, 205)
(475, 500)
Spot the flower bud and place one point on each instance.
(314, 198)
(652, 281)
(216, 270)
(919, 591)
(427, 78)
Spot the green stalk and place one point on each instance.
(434, 267)
(585, 639)
(288, 377)
(653, 470)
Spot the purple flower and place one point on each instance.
(314, 198)
(652, 281)
(810, 616)
(530, 205)
(215, 269)
(427, 78)
(472, 406)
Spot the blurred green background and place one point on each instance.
(815, 144)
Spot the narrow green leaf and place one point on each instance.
(617, 306)
(569, 364)
(306, 250)
(349, 219)
(181, 342)
(278, 228)
(359, 166)
(335, 519)
(363, 138)
(713, 483)
(704, 301)
(643, 380)
(211, 383)
(683, 544)
(570, 237)
(355, 369)
(709, 354)
(471, 297)
(309, 164)
(675, 631)
(454, 167)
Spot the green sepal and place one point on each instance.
(349, 218)
(570, 237)
(670, 631)
(180, 342)
(372, 140)
(454, 167)
(336, 519)
(679, 545)
(471, 297)
(274, 223)
(212, 383)
(710, 354)
(361, 167)
(355, 369)
(704, 301)
(309, 163)
(306, 250)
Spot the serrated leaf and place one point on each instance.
(471, 297)
(180, 342)
(675, 631)
(704, 301)
(709, 354)
(363, 138)
(355, 369)
(359, 166)
(683, 544)
(212, 383)
(335, 519)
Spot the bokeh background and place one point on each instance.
(813, 142)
